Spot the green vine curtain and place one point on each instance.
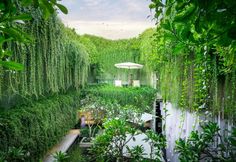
(54, 62)
(195, 54)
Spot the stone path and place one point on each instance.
(63, 146)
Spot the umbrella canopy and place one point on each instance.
(129, 65)
(146, 117)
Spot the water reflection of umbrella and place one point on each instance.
(129, 65)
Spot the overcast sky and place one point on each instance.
(113, 19)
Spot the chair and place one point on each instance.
(118, 83)
(136, 83)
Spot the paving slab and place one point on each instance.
(63, 146)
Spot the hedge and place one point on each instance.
(141, 97)
(39, 126)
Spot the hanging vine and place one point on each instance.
(204, 54)
(54, 62)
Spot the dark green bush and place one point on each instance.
(141, 97)
(39, 126)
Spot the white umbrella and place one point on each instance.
(138, 119)
(146, 117)
(129, 65)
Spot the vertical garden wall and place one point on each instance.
(54, 62)
(195, 59)
(38, 104)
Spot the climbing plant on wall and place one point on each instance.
(38, 102)
(54, 61)
(196, 60)
(11, 16)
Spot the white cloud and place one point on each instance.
(69, 2)
(109, 29)
(113, 19)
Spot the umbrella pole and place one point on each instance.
(129, 77)
(139, 77)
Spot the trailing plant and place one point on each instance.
(38, 126)
(195, 59)
(55, 62)
(11, 16)
(208, 145)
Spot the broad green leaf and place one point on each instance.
(168, 11)
(180, 6)
(62, 8)
(26, 2)
(53, 1)
(46, 14)
(152, 6)
(13, 33)
(3, 39)
(12, 65)
(166, 24)
(48, 5)
(17, 34)
(183, 15)
(47, 8)
(21, 17)
(7, 53)
(178, 48)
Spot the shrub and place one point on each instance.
(39, 126)
(208, 145)
(110, 144)
(60, 156)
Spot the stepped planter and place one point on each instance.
(86, 142)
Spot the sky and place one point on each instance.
(112, 19)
